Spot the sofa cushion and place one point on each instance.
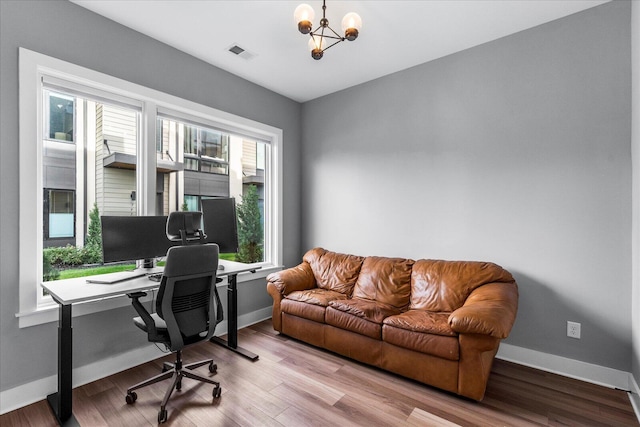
(442, 286)
(422, 321)
(303, 309)
(435, 345)
(358, 315)
(422, 331)
(316, 296)
(385, 280)
(334, 271)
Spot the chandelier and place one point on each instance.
(324, 37)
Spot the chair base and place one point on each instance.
(176, 371)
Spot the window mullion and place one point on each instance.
(146, 160)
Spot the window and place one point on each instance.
(88, 139)
(191, 203)
(216, 164)
(60, 119)
(88, 162)
(59, 215)
(204, 150)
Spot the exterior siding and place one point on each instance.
(249, 158)
(115, 187)
(205, 184)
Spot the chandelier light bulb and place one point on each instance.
(316, 45)
(351, 25)
(304, 15)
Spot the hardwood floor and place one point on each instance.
(294, 384)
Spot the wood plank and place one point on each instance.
(425, 419)
(295, 384)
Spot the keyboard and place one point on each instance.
(156, 277)
(120, 276)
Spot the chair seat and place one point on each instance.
(161, 335)
(161, 325)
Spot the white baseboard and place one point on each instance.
(634, 396)
(564, 366)
(35, 391)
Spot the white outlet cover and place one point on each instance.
(573, 330)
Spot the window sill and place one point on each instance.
(48, 313)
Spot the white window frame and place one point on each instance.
(33, 67)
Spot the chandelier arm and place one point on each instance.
(337, 35)
(332, 44)
(326, 36)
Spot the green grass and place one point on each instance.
(104, 269)
(228, 257)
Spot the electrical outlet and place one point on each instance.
(573, 330)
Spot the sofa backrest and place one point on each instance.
(334, 271)
(444, 286)
(385, 280)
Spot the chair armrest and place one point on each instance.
(489, 310)
(292, 279)
(142, 312)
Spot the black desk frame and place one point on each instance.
(232, 322)
(61, 401)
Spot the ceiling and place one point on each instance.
(395, 34)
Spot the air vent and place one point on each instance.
(236, 49)
(241, 52)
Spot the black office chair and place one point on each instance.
(185, 227)
(187, 312)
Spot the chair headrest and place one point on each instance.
(190, 222)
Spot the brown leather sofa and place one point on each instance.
(438, 322)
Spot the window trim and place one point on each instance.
(33, 67)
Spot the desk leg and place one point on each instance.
(232, 321)
(60, 402)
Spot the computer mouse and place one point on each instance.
(220, 267)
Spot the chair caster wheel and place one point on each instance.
(162, 416)
(213, 368)
(130, 398)
(217, 391)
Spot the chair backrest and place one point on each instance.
(185, 227)
(187, 298)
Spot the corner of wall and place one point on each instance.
(635, 159)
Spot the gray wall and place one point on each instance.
(72, 33)
(516, 152)
(635, 147)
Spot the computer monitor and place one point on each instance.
(127, 238)
(220, 223)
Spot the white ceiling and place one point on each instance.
(395, 35)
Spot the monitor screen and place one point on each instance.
(220, 226)
(126, 238)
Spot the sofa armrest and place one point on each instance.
(282, 283)
(292, 279)
(489, 310)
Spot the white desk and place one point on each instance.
(73, 291)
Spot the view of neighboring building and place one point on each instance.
(90, 157)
